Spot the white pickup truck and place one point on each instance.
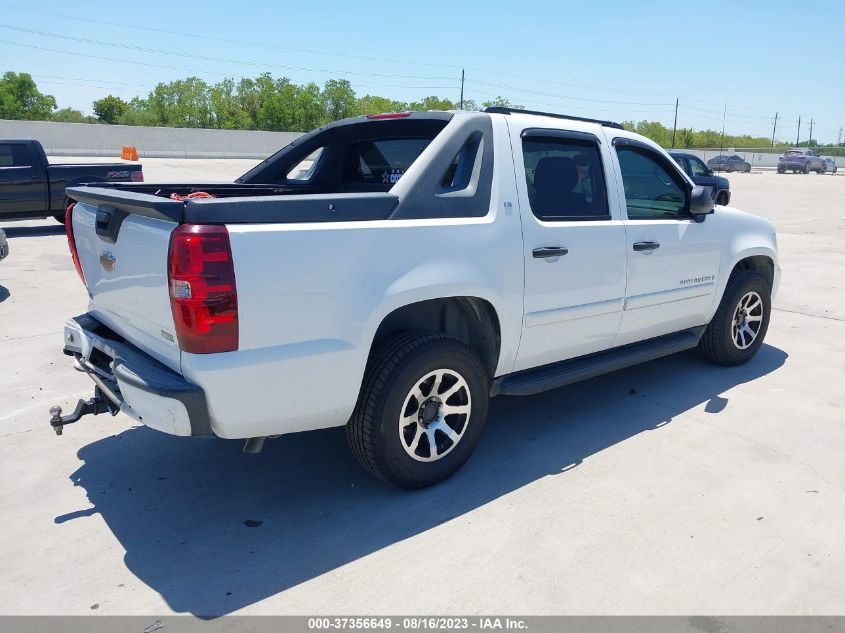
(391, 273)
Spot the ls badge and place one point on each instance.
(107, 261)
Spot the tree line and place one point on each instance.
(278, 104)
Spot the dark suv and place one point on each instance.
(702, 175)
(730, 163)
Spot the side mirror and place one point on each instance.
(700, 203)
(710, 172)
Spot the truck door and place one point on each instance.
(22, 186)
(573, 241)
(673, 261)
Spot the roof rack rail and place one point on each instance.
(503, 110)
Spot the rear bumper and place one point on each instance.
(135, 382)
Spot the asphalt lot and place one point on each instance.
(672, 488)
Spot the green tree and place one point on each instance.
(21, 99)
(182, 103)
(109, 109)
(138, 112)
(338, 99)
(501, 102)
(70, 115)
(432, 103)
(371, 104)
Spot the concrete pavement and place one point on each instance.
(676, 487)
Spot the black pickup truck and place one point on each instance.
(31, 187)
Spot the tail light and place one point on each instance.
(137, 176)
(71, 242)
(203, 295)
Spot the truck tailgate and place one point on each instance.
(125, 270)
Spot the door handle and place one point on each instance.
(549, 251)
(646, 246)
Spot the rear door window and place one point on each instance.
(565, 179)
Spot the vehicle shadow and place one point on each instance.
(4, 293)
(34, 231)
(213, 530)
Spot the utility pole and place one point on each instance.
(798, 138)
(811, 128)
(722, 141)
(462, 88)
(675, 124)
(839, 138)
(774, 129)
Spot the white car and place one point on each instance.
(830, 165)
(424, 263)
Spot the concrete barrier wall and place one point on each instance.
(86, 139)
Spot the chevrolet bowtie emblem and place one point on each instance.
(107, 261)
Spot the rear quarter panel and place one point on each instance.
(311, 298)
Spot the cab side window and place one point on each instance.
(652, 190)
(565, 179)
(697, 168)
(14, 155)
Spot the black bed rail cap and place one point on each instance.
(503, 110)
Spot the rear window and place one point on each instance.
(795, 152)
(14, 155)
(383, 161)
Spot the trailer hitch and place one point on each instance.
(92, 406)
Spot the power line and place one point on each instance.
(183, 34)
(560, 96)
(145, 49)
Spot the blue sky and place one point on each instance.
(617, 60)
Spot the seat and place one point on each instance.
(555, 178)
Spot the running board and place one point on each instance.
(531, 381)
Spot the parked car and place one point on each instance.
(728, 163)
(405, 281)
(830, 165)
(4, 245)
(800, 159)
(31, 187)
(701, 174)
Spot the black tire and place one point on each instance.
(395, 368)
(721, 199)
(717, 345)
(60, 217)
(730, 169)
(806, 168)
(748, 169)
(781, 171)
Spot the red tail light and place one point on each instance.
(71, 242)
(203, 295)
(137, 176)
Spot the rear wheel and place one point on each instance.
(739, 326)
(806, 168)
(421, 410)
(60, 217)
(722, 199)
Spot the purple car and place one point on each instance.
(800, 159)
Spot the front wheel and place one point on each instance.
(806, 168)
(421, 410)
(739, 326)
